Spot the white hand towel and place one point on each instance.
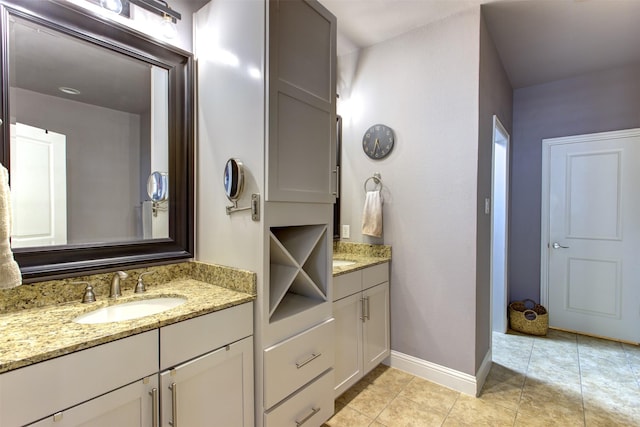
(372, 214)
(10, 276)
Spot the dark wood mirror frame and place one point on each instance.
(42, 263)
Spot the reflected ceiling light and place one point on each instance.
(114, 6)
(254, 72)
(69, 90)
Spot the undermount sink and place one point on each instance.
(130, 310)
(342, 263)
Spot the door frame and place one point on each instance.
(544, 202)
(497, 125)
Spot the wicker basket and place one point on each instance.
(528, 317)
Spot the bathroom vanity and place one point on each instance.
(361, 313)
(189, 363)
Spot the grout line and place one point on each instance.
(524, 383)
(584, 409)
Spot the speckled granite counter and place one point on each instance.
(33, 335)
(363, 255)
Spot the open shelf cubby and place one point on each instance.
(298, 276)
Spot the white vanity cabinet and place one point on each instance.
(63, 391)
(206, 373)
(361, 312)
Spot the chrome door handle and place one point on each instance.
(174, 404)
(557, 245)
(154, 407)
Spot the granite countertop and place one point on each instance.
(361, 261)
(37, 334)
(362, 254)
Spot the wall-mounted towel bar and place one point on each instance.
(377, 181)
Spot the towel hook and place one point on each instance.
(377, 180)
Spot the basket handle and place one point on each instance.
(527, 315)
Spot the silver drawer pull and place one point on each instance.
(174, 404)
(308, 417)
(154, 407)
(309, 359)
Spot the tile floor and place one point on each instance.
(562, 379)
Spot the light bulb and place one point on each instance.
(114, 6)
(168, 28)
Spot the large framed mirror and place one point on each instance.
(91, 111)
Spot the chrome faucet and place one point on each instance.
(115, 291)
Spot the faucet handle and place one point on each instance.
(89, 295)
(140, 286)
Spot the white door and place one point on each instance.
(38, 187)
(592, 236)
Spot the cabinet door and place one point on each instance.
(130, 406)
(376, 344)
(347, 368)
(214, 390)
(302, 110)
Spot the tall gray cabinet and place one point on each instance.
(280, 121)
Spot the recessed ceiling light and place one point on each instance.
(69, 90)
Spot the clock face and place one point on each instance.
(377, 141)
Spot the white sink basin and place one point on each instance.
(129, 310)
(342, 263)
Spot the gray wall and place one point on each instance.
(496, 98)
(103, 172)
(423, 84)
(598, 102)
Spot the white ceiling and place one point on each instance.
(538, 40)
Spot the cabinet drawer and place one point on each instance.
(294, 362)
(375, 275)
(347, 284)
(311, 406)
(39, 390)
(191, 338)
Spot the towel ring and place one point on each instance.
(377, 180)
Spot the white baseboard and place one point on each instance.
(456, 380)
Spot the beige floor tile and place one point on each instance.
(371, 400)
(348, 417)
(377, 424)
(430, 396)
(548, 419)
(503, 387)
(540, 397)
(351, 393)
(392, 379)
(618, 399)
(402, 412)
(596, 417)
(469, 411)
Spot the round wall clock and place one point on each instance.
(377, 141)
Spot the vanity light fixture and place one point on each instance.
(114, 6)
(69, 90)
(159, 7)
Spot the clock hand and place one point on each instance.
(376, 145)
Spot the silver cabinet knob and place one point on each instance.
(557, 245)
